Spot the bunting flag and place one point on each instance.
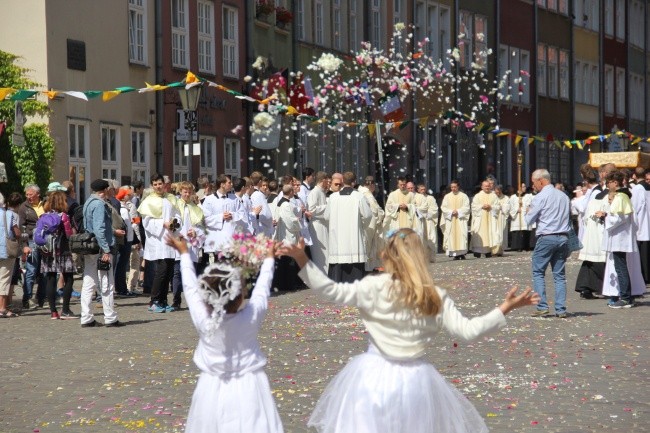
(302, 106)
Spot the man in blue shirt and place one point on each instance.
(550, 209)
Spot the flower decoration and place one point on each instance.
(329, 62)
(283, 15)
(262, 123)
(264, 7)
(246, 252)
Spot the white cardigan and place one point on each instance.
(396, 331)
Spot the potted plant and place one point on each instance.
(264, 8)
(283, 16)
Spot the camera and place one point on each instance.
(174, 225)
(102, 265)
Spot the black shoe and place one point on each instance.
(68, 315)
(457, 258)
(89, 324)
(488, 255)
(462, 257)
(26, 304)
(176, 305)
(586, 294)
(477, 255)
(115, 324)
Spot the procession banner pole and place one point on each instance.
(520, 161)
(380, 155)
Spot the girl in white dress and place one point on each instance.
(233, 392)
(391, 388)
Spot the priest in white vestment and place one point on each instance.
(263, 221)
(222, 213)
(431, 223)
(455, 209)
(319, 221)
(502, 218)
(400, 208)
(350, 214)
(420, 201)
(374, 233)
(287, 230)
(486, 234)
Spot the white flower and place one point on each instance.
(329, 63)
(399, 27)
(260, 63)
(262, 122)
(247, 78)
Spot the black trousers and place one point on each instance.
(51, 289)
(164, 271)
(346, 272)
(644, 254)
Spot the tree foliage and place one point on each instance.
(32, 163)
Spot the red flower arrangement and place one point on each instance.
(283, 15)
(264, 7)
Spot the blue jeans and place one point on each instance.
(623, 276)
(551, 250)
(33, 275)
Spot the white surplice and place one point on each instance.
(219, 232)
(395, 218)
(263, 222)
(374, 235)
(350, 214)
(455, 227)
(155, 247)
(431, 232)
(318, 226)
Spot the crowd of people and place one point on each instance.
(341, 220)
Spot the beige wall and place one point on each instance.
(103, 26)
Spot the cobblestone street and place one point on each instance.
(587, 373)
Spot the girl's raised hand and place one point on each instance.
(512, 301)
(177, 242)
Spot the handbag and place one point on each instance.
(573, 243)
(12, 245)
(84, 243)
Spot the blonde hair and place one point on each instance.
(404, 258)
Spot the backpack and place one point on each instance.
(47, 234)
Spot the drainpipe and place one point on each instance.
(159, 95)
(536, 36)
(572, 159)
(248, 19)
(294, 67)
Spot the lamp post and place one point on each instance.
(520, 161)
(190, 101)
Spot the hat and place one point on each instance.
(99, 185)
(56, 186)
(123, 192)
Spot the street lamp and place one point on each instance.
(190, 101)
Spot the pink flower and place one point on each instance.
(484, 99)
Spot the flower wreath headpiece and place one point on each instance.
(239, 263)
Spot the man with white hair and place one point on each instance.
(550, 209)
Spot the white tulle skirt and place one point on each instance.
(240, 404)
(375, 394)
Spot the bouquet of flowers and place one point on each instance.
(246, 252)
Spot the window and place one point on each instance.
(78, 139)
(541, 69)
(562, 7)
(524, 84)
(205, 13)
(208, 157)
(620, 92)
(466, 38)
(181, 168)
(637, 24)
(564, 74)
(551, 5)
(230, 43)
(319, 22)
(375, 25)
(595, 85)
(139, 155)
(541, 3)
(336, 18)
(110, 152)
(480, 41)
(434, 22)
(179, 34)
(609, 89)
(620, 19)
(579, 12)
(299, 19)
(577, 80)
(637, 92)
(514, 58)
(398, 7)
(354, 41)
(339, 149)
(552, 72)
(231, 150)
(137, 32)
(516, 82)
(586, 88)
(609, 17)
(591, 15)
